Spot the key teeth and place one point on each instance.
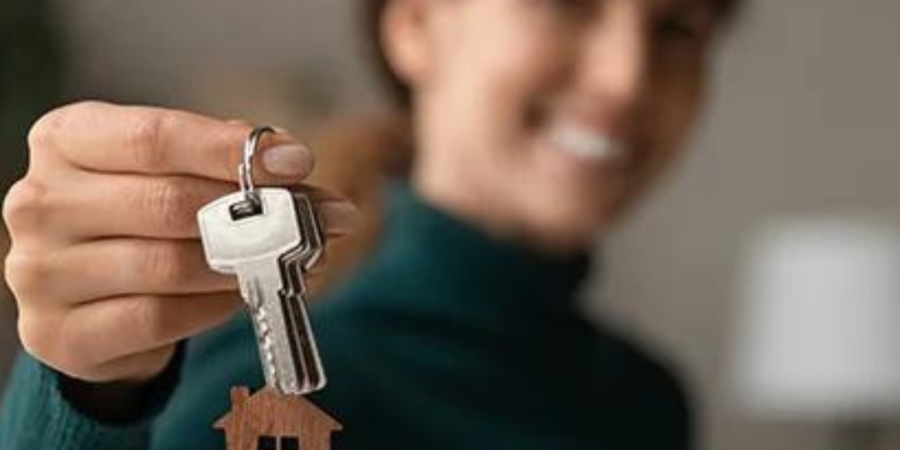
(265, 344)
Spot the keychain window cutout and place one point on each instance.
(290, 443)
(266, 443)
(282, 443)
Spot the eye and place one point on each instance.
(679, 29)
(567, 6)
(683, 27)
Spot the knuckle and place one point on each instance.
(24, 205)
(72, 351)
(46, 131)
(32, 342)
(43, 133)
(25, 274)
(143, 139)
(35, 339)
(48, 338)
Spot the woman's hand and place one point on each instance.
(106, 263)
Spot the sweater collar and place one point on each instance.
(442, 257)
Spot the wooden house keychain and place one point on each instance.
(269, 238)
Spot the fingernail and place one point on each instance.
(288, 160)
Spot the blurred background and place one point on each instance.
(802, 133)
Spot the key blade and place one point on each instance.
(283, 371)
(287, 346)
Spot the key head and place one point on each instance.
(235, 233)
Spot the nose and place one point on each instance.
(612, 62)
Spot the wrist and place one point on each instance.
(122, 402)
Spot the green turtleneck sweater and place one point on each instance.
(444, 339)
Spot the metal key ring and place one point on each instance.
(245, 169)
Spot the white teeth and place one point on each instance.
(586, 143)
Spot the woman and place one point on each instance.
(536, 123)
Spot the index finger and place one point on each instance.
(147, 140)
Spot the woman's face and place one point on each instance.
(547, 118)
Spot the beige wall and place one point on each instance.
(168, 50)
(803, 116)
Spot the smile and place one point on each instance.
(587, 143)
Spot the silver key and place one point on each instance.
(269, 251)
(269, 238)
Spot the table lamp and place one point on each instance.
(818, 331)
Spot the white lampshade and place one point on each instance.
(819, 324)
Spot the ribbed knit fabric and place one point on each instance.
(35, 416)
